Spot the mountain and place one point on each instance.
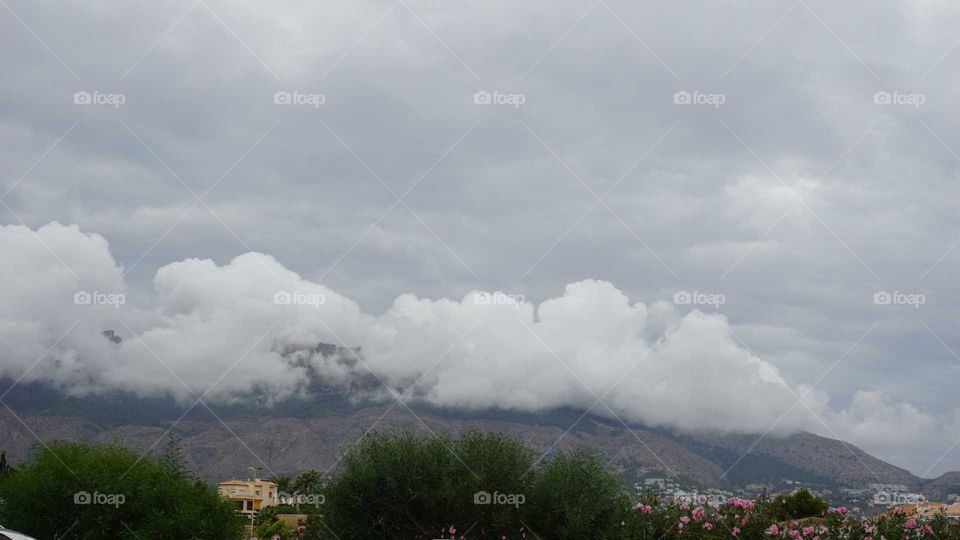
(944, 488)
(313, 430)
(221, 442)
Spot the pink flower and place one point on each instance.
(744, 521)
(740, 503)
(698, 513)
(898, 510)
(735, 531)
(807, 531)
(926, 529)
(684, 519)
(911, 523)
(647, 509)
(841, 510)
(684, 506)
(708, 526)
(773, 530)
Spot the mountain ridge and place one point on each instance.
(222, 441)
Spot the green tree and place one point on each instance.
(308, 483)
(284, 483)
(4, 466)
(576, 495)
(270, 528)
(94, 492)
(797, 505)
(414, 486)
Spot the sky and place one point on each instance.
(735, 216)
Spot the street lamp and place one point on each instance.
(253, 513)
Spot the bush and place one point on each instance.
(798, 505)
(94, 492)
(575, 495)
(411, 486)
(482, 485)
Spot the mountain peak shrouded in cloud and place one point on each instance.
(251, 328)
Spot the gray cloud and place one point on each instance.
(231, 331)
(799, 281)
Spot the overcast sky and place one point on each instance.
(790, 162)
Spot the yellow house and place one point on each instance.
(249, 495)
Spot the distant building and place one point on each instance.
(249, 496)
(896, 488)
(930, 509)
(952, 511)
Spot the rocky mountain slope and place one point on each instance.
(221, 443)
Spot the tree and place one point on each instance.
(309, 482)
(798, 505)
(4, 467)
(284, 483)
(412, 486)
(576, 495)
(95, 492)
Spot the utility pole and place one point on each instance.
(253, 513)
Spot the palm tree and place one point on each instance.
(309, 482)
(284, 483)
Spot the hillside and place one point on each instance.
(286, 443)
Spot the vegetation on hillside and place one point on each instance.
(476, 485)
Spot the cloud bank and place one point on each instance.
(248, 328)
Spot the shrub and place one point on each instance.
(798, 505)
(576, 495)
(107, 492)
(411, 486)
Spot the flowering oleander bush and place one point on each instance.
(756, 520)
(737, 519)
